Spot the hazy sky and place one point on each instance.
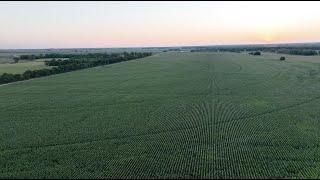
(126, 24)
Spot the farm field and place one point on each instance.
(19, 68)
(6, 56)
(171, 115)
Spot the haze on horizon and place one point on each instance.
(28, 25)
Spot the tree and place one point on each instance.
(27, 74)
(257, 53)
(16, 59)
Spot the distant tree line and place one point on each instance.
(45, 56)
(74, 63)
(305, 51)
(235, 50)
(256, 53)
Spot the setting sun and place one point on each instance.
(105, 24)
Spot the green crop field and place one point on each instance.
(19, 68)
(171, 115)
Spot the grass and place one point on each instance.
(19, 68)
(172, 115)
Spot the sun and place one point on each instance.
(267, 37)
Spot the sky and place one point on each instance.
(99, 24)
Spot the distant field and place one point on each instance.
(171, 115)
(7, 55)
(5, 58)
(19, 68)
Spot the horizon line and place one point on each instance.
(168, 46)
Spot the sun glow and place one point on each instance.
(122, 24)
(267, 37)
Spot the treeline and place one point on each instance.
(89, 55)
(305, 51)
(257, 53)
(74, 63)
(45, 56)
(227, 48)
(235, 50)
